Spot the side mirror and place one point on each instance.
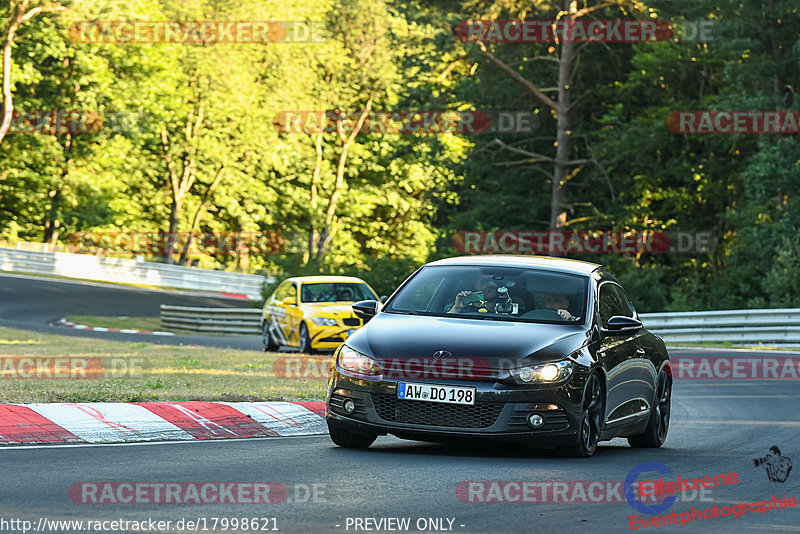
(384, 298)
(366, 309)
(619, 324)
(289, 301)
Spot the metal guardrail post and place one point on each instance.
(211, 320)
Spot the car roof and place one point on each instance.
(323, 278)
(548, 262)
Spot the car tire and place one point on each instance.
(592, 416)
(349, 440)
(266, 339)
(305, 340)
(658, 425)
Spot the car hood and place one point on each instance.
(328, 309)
(393, 336)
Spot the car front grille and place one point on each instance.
(351, 321)
(481, 415)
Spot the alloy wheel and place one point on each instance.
(663, 406)
(592, 413)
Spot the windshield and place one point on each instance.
(335, 292)
(499, 293)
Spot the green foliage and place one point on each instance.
(403, 195)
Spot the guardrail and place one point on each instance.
(211, 320)
(778, 326)
(130, 271)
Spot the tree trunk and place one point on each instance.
(180, 185)
(22, 16)
(199, 214)
(313, 235)
(52, 224)
(328, 230)
(558, 213)
(326, 235)
(174, 217)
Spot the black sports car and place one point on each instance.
(545, 351)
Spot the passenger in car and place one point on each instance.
(559, 303)
(490, 297)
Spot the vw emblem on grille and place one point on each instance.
(441, 355)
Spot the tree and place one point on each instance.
(360, 70)
(23, 14)
(564, 54)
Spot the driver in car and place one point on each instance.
(490, 297)
(346, 294)
(559, 303)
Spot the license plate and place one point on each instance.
(434, 393)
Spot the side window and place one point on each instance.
(612, 301)
(422, 296)
(284, 290)
(276, 295)
(626, 304)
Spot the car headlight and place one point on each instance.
(355, 363)
(323, 321)
(546, 373)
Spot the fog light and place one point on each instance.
(349, 406)
(535, 420)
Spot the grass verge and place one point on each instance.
(135, 372)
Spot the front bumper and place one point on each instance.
(500, 411)
(329, 337)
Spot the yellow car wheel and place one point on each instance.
(266, 339)
(305, 340)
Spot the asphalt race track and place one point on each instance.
(718, 426)
(31, 303)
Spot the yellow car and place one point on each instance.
(311, 313)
